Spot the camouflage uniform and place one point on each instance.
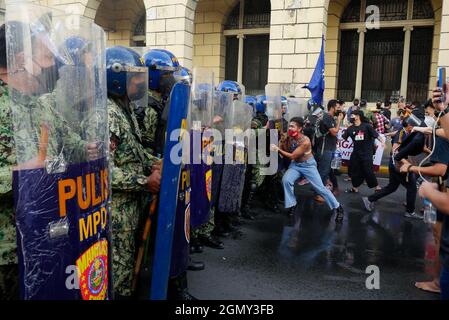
(130, 168)
(149, 120)
(8, 257)
(34, 112)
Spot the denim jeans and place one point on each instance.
(324, 165)
(444, 284)
(307, 169)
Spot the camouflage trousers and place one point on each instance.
(9, 282)
(206, 229)
(126, 211)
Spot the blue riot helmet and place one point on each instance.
(231, 86)
(250, 100)
(183, 75)
(261, 104)
(74, 50)
(162, 65)
(126, 74)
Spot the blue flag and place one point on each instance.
(316, 84)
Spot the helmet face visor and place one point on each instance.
(137, 85)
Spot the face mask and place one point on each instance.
(141, 91)
(292, 133)
(352, 120)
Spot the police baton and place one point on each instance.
(146, 233)
(145, 237)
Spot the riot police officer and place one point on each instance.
(133, 172)
(253, 178)
(232, 178)
(162, 66)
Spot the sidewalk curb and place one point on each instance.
(383, 170)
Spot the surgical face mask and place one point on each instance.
(292, 133)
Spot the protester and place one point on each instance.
(326, 143)
(396, 179)
(361, 162)
(298, 149)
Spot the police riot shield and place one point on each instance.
(297, 107)
(233, 176)
(243, 94)
(274, 105)
(202, 98)
(61, 181)
(222, 104)
(173, 227)
(200, 146)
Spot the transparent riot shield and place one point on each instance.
(238, 122)
(274, 105)
(61, 181)
(202, 98)
(201, 105)
(240, 116)
(243, 95)
(297, 107)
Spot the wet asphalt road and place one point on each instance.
(326, 262)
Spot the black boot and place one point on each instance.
(339, 214)
(177, 289)
(211, 242)
(246, 210)
(195, 246)
(195, 265)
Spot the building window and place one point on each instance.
(420, 60)
(247, 32)
(422, 9)
(395, 60)
(390, 10)
(352, 12)
(139, 32)
(349, 44)
(382, 64)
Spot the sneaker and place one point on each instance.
(339, 214)
(413, 215)
(369, 206)
(291, 211)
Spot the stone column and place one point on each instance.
(405, 60)
(241, 38)
(359, 77)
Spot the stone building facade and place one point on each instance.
(278, 41)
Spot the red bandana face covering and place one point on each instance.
(292, 133)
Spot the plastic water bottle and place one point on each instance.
(430, 212)
(336, 161)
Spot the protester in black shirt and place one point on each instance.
(361, 162)
(396, 179)
(326, 144)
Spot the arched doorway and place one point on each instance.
(232, 38)
(123, 21)
(394, 60)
